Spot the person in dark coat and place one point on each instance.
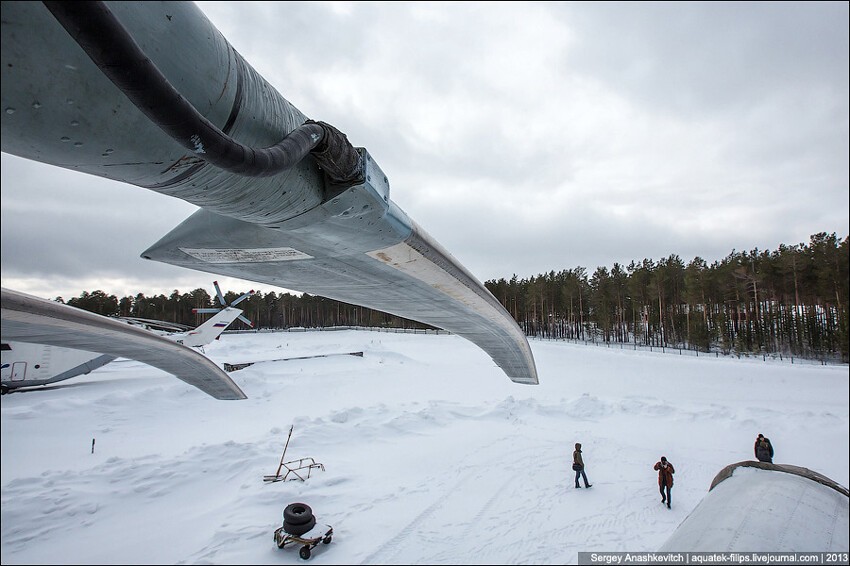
(763, 449)
(665, 479)
(578, 466)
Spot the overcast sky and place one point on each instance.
(524, 137)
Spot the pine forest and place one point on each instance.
(792, 301)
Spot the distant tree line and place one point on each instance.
(267, 311)
(791, 301)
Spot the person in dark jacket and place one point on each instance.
(578, 466)
(763, 449)
(665, 479)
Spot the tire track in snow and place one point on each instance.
(482, 491)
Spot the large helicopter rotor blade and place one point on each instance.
(221, 300)
(205, 311)
(242, 298)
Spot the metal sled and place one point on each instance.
(308, 540)
(293, 467)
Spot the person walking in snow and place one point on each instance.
(578, 466)
(665, 479)
(763, 449)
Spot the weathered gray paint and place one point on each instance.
(25, 318)
(761, 507)
(727, 472)
(60, 109)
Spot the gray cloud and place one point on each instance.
(524, 137)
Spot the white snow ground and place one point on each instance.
(431, 455)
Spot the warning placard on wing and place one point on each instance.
(245, 255)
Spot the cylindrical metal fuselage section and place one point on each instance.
(62, 110)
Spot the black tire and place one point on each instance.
(298, 530)
(304, 552)
(297, 514)
(327, 539)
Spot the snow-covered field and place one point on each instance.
(431, 455)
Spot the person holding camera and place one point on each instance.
(665, 479)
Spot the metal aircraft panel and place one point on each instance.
(295, 229)
(399, 271)
(31, 319)
(763, 507)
